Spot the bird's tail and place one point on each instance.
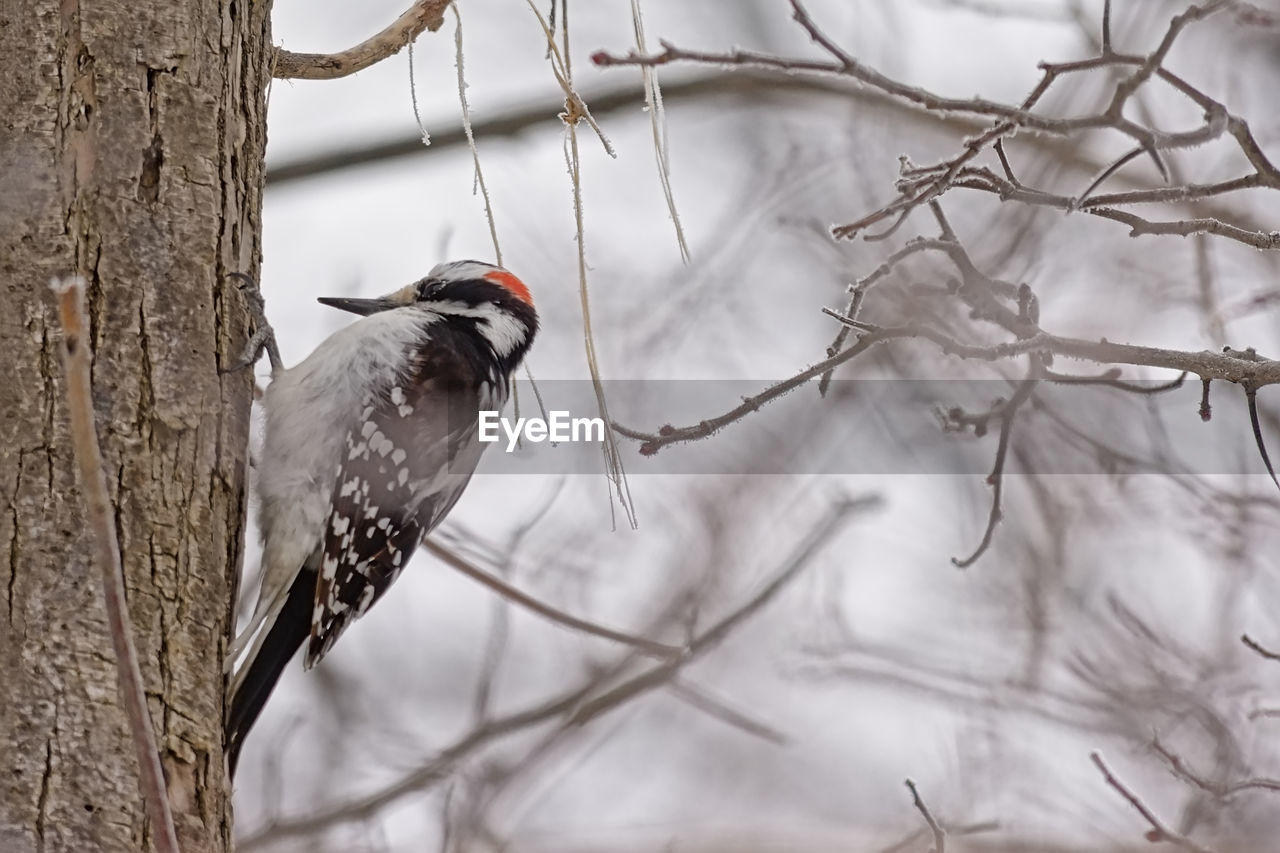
(260, 672)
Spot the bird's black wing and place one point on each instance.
(406, 461)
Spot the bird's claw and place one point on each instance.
(263, 338)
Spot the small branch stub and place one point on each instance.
(935, 828)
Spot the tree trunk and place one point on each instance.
(131, 142)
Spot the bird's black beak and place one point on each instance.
(363, 307)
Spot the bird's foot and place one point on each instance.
(263, 338)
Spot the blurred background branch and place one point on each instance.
(1132, 550)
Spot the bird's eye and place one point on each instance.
(428, 289)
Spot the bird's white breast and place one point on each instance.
(309, 409)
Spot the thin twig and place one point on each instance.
(1110, 379)
(471, 140)
(1218, 789)
(1102, 206)
(939, 836)
(847, 66)
(658, 123)
(995, 479)
(422, 15)
(97, 498)
(533, 605)
(1115, 166)
(1159, 832)
(1262, 650)
(719, 709)
(1251, 395)
(576, 110)
(911, 843)
(424, 135)
(1106, 28)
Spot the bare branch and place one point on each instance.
(840, 512)
(712, 706)
(995, 479)
(1111, 379)
(1253, 644)
(530, 113)
(920, 186)
(421, 16)
(658, 121)
(1110, 170)
(1204, 363)
(1106, 28)
(939, 836)
(1158, 832)
(845, 65)
(1251, 395)
(1153, 62)
(533, 605)
(920, 97)
(97, 498)
(1250, 15)
(911, 842)
(1182, 771)
(471, 138)
(576, 706)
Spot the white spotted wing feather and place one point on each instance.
(393, 484)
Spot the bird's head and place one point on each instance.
(460, 283)
(469, 298)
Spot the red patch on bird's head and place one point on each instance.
(511, 283)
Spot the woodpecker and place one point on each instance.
(369, 442)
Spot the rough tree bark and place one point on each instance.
(131, 143)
